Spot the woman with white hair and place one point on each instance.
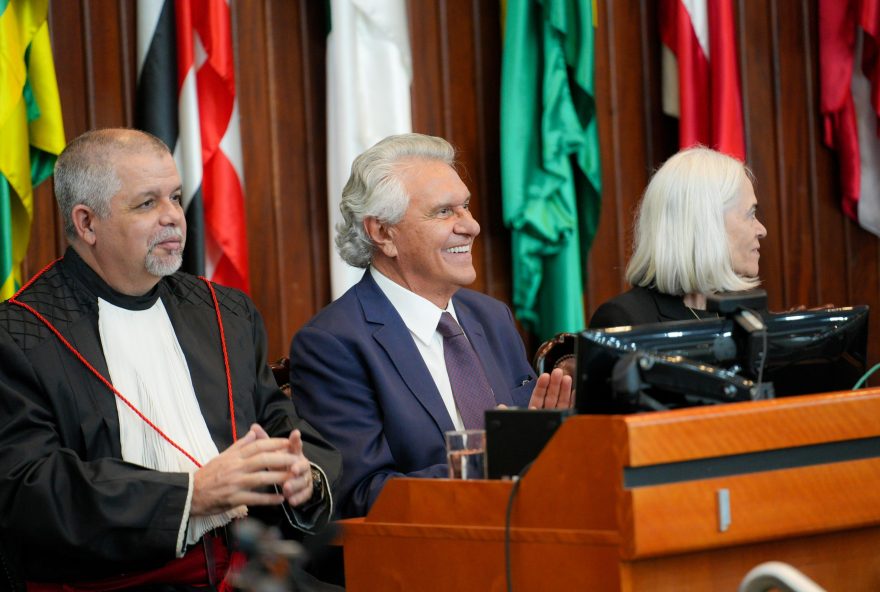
(697, 233)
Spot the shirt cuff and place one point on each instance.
(311, 517)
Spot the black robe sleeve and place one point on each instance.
(64, 512)
(70, 507)
(278, 416)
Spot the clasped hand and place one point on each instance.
(241, 473)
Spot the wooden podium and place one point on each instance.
(690, 499)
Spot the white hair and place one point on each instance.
(374, 190)
(680, 242)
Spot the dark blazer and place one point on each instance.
(358, 377)
(640, 306)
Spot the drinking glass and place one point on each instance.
(466, 454)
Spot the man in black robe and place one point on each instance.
(133, 428)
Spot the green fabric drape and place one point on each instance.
(550, 168)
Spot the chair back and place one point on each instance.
(281, 370)
(556, 353)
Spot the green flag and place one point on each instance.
(550, 169)
(30, 127)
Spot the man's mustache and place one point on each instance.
(165, 234)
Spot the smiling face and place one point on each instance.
(744, 232)
(429, 250)
(143, 237)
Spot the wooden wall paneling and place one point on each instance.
(470, 127)
(829, 221)
(456, 74)
(255, 80)
(461, 119)
(620, 87)
(47, 232)
(428, 99)
(314, 25)
(605, 264)
(298, 97)
(793, 154)
(128, 58)
(759, 76)
(105, 65)
(863, 266)
(69, 51)
(495, 244)
(661, 130)
(638, 113)
(833, 275)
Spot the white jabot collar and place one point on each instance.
(147, 366)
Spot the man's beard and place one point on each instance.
(166, 264)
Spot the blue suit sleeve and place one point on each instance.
(335, 392)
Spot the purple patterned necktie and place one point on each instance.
(470, 387)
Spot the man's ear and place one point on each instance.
(382, 236)
(83, 218)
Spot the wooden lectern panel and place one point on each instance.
(738, 428)
(845, 561)
(794, 502)
(633, 503)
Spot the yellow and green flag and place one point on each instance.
(31, 130)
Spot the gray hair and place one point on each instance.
(85, 172)
(680, 244)
(374, 190)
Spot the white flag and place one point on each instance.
(369, 71)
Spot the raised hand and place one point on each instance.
(552, 391)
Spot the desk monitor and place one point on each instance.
(686, 363)
(515, 437)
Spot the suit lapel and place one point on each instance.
(477, 336)
(393, 336)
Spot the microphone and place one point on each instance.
(273, 563)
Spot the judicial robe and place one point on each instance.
(70, 507)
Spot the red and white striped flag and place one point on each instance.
(849, 62)
(186, 96)
(701, 34)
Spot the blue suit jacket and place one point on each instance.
(358, 377)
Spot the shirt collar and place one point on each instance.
(420, 315)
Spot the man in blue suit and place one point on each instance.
(369, 370)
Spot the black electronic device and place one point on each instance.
(729, 303)
(709, 361)
(515, 437)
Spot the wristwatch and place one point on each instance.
(317, 486)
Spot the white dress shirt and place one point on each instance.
(421, 317)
